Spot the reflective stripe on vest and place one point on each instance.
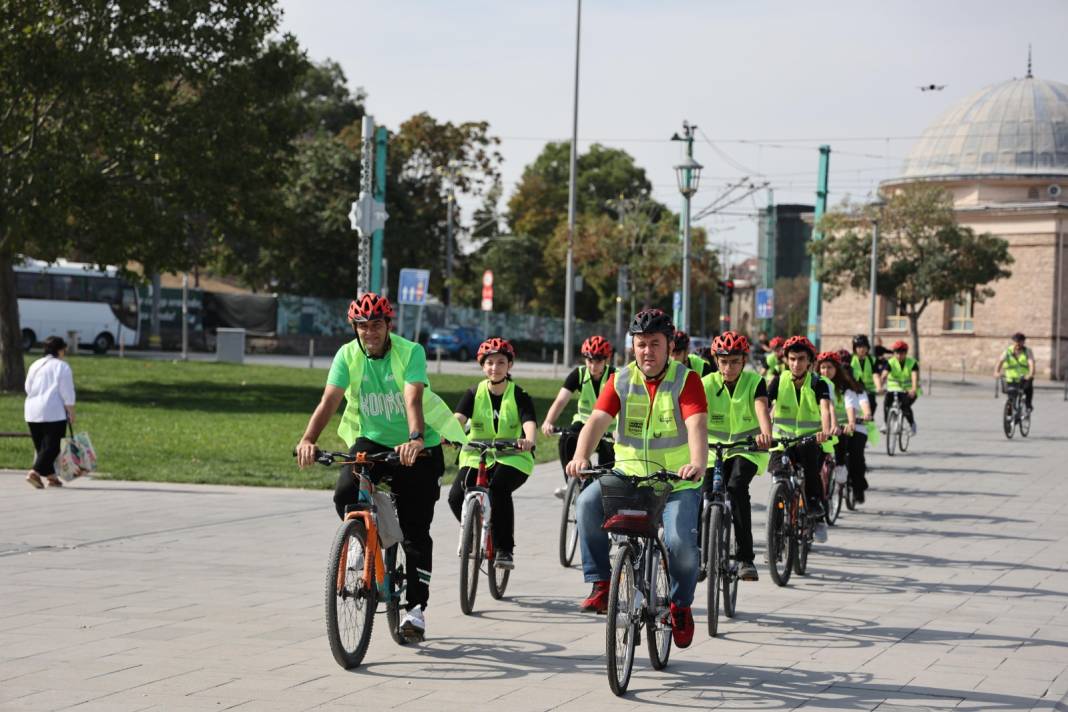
(794, 418)
(900, 375)
(732, 418)
(508, 428)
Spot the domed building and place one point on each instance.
(1003, 155)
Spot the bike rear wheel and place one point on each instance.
(729, 576)
(1025, 423)
(802, 537)
(850, 500)
(1008, 419)
(350, 607)
(904, 434)
(715, 569)
(498, 579)
(780, 550)
(397, 566)
(834, 506)
(569, 523)
(658, 617)
(893, 422)
(470, 557)
(622, 629)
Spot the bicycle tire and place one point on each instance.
(397, 565)
(904, 434)
(621, 659)
(850, 498)
(779, 550)
(470, 557)
(892, 424)
(729, 577)
(715, 569)
(498, 579)
(1008, 419)
(658, 618)
(802, 538)
(569, 524)
(358, 603)
(1025, 424)
(834, 507)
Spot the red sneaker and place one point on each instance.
(597, 601)
(681, 625)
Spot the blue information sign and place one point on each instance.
(412, 286)
(765, 303)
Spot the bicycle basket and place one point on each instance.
(633, 505)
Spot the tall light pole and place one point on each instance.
(688, 175)
(569, 272)
(878, 208)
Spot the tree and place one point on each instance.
(923, 255)
(137, 131)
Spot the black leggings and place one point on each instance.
(809, 458)
(46, 437)
(855, 463)
(504, 479)
(738, 473)
(569, 441)
(416, 489)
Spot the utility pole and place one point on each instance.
(687, 174)
(874, 270)
(366, 215)
(381, 141)
(815, 290)
(449, 200)
(569, 272)
(622, 289)
(770, 234)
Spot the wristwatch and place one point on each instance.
(415, 435)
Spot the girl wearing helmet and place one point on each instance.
(850, 408)
(802, 406)
(902, 381)
(497, 409)
(738, 409)
(588, 381)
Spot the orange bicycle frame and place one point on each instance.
(373, 563)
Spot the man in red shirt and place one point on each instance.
(662, 424)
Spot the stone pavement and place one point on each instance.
(947, 590)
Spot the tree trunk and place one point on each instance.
(914, 329)
(12, 367)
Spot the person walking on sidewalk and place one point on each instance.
(49, 407)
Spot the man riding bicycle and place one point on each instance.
(382, 377)
(680, 351)
(902, 382)
(662, 425)
(1018, 366)
(737, 410)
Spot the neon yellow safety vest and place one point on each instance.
(837, 399)
(436, 413)
(1016, 366)
(775, 367)
(508, 428)
(587, 396)
(796, 416)
(696, 363)
(651, 437)
(732, 418)
(862, 371)
(900, 375)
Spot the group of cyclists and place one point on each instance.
(658, 412)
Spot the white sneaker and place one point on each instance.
(413, 627)
(559, 492)
(820, 533)
(914, 429)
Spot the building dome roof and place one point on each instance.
(1017, 128)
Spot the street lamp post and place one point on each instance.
(878, 206)
(569, 270)
(688, 175)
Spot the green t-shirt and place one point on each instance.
(383, 418)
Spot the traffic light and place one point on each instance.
(726, 289)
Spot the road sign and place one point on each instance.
(676, 306)
(367, 215)
(765, 303)
(487, 290)
(412, 286)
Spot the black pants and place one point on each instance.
(416, 489)
(569, 441)
(906, 405)
(504, 480)
(809, 458)
(1028, 385)
(855, 463)
(737, 474)
(46, 437)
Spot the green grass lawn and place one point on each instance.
(213, 423)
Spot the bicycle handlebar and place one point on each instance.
(747, 445)
(607, 437)
(386, 457)
(800, 440)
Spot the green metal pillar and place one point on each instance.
(770, 234)
(815, 291)
(381, 136)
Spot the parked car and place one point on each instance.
(459, 342)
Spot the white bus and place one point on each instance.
(56, 299)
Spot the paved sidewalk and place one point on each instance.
(948, 589)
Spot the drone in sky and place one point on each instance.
(932, 87)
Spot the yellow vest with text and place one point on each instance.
(653, 435)
(508, 428)
(796, 416)
(732, 418)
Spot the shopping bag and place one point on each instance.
(76, 455)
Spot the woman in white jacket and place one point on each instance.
(49, 406)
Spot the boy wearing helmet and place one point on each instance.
(902, 381)
(802, 406)
(389, 406)
(498, 409)
(588, 380)
(680, 351)
(662, 424)
(737, 410)
(1018, 365)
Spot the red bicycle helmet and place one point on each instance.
(844, 356)
(900, 346)
(799, 343)
(495, 345)
(652, 321)
(730, 343)
(596, 347)
(370, 307)
(831, 356)
(776, 342)
(680, 341)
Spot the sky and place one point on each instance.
(766, 83)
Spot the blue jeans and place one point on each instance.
(680, 536)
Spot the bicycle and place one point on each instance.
(1015, 414)
(897, 432)
(476, 538)
(568, 516)
(838, 490)
(639, 593)
(789, 526)
(717, 560)
(360, 570)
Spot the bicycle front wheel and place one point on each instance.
(850, 501)
(904, 434)
(569, 523)
(1025, 423)
(397, 566)
(470, 557)
(622, 629)
(834, 506)
(892, 424)
(350, 604)
(729, 577)
(715, 568)
(658, 617)
(780, 552)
